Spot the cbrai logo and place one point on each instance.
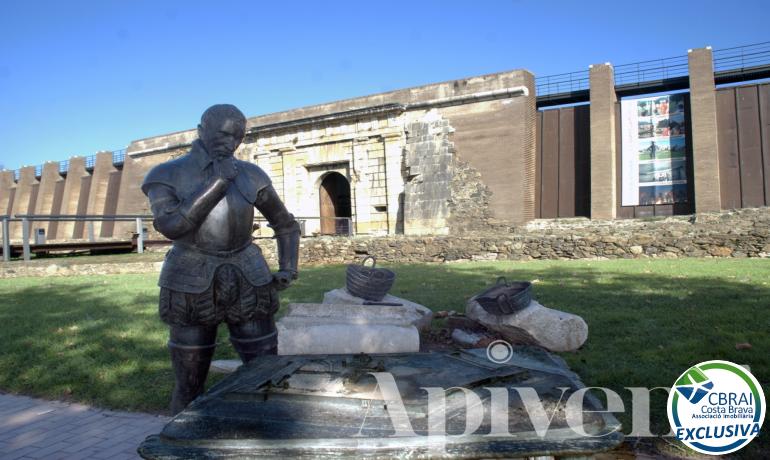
(717, 407)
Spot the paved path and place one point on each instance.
(33, 428)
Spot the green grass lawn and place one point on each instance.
(98, 339)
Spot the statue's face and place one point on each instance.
(221, 137)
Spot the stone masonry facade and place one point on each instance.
(456, 158)
(408, 157)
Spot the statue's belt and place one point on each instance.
(211, 252)
(190, 269)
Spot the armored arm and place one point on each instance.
(284, 226)
(175, 217)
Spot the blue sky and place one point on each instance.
(77, 77)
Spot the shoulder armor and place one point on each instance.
(169, 173)
(250, 180)
(163, 173)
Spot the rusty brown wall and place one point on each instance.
(743, 120)
(563, 162)
(497, 139)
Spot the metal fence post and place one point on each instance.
(25, 238)
(6, 240)
(91, 237)
(140, 236)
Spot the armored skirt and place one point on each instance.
(230, 298)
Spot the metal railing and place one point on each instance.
(562, 83)
(742, 57)
(656, 69)
(118, 157)
(27, 219)
(740, 63)
(342, 226)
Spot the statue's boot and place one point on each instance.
(254, 338)
(191, 366)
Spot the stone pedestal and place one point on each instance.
(551, 329)
(312, 329)
(418, 315)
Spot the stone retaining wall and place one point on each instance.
(741, 233)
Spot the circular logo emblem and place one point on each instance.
(716, 407)
(499, 352)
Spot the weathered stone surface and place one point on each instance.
(225, 366)
(311, 329)
(418, 315)
(714, 234)
(427, 157)
(551, 329)
(720, 251)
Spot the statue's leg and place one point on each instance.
(191, 350)
(254, 338)
(251, 323)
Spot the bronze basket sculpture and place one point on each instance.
(506, 298)
(369, 283)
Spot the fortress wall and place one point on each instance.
(77, 178)
(58, 195)
(130, 199)
(7, 191)
(111, 202)
(97, 195)
(297, 159)
(24, 198)
(495, 137)
(47, 197)
(80, 230)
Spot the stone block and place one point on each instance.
(551, 329)
(311, 329)
(225, 366)
(418, 315)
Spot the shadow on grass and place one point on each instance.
(99, 339)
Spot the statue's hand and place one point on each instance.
(282, 279)
(225, 168)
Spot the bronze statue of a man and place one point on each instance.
(204, 201)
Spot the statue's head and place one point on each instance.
(222, 129)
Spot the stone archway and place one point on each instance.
(334, 196)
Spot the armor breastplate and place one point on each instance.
(228, 226)
(224, 236)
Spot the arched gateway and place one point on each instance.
(334, 195)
